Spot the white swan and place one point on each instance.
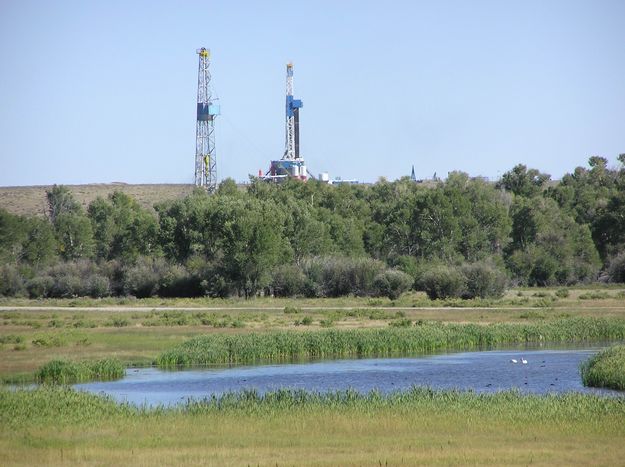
(523, 361)
(514, 360)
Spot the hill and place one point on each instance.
(31, 200)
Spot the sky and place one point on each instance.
(105, 91)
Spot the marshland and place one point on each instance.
(394, 274)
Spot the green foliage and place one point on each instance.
(392, 283)
(616, 269)
(70, 279)
(316, 240)
(11, 281)
(288, 280)
(548, 247)
(594, 296)
(432, 336)
(26, 240)
(562, 293)
(75, 236)
(523, 182)
(483, 280)
(606, 369)
(61, 202)
(335, 276)
(122, 228)
(443, 282)
(66, 372)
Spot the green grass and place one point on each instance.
(68, 372)
(56, 425)
(423, 337)
(606, 369)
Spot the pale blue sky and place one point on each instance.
(105, 91)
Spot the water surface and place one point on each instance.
(488, 371)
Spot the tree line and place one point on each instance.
(462, 237)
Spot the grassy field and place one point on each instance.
(31, 200)
(415, 427)
(55, 426)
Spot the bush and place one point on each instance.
(98, 286)
(392, 283)
(288, 280)
(483, 280)
(11, 281)
(443, 282)
(339, 276)
(562, 293)
(142, 280)
(616, 269)
(40, 286)
(176, 281)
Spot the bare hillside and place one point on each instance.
(31, 200)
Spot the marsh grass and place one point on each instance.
(68, 372)
(606, 369)
(63, 404)
(424, 337)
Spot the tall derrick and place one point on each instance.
(292, 165)
(207, 110)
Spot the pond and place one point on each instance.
(546, 371)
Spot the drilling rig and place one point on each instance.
(207, 110)
(292, 165)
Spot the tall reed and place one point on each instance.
(66, 372)
(425, 337)
(606, 369)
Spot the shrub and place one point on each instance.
(11, 281)
(117, 322)
(401, 323)
(483, 280)
(175, 281)
(288, 280)
(392, 283)
(40, 286)
(616, 269)
(338, 276)
(98, 286)
(562, 293)
(443, 282)
(49, 341)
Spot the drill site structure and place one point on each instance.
(207, 110)
(292, 165)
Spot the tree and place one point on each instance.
(523, 182)
(61, 201)
(74, 235)
(548, 247)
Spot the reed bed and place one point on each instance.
(606, 369)
(64, 405)
(423, 337)
(67, 372)
(55, 425)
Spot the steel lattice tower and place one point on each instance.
(205, 156)
(291, 150)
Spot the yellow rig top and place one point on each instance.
(204, 52)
